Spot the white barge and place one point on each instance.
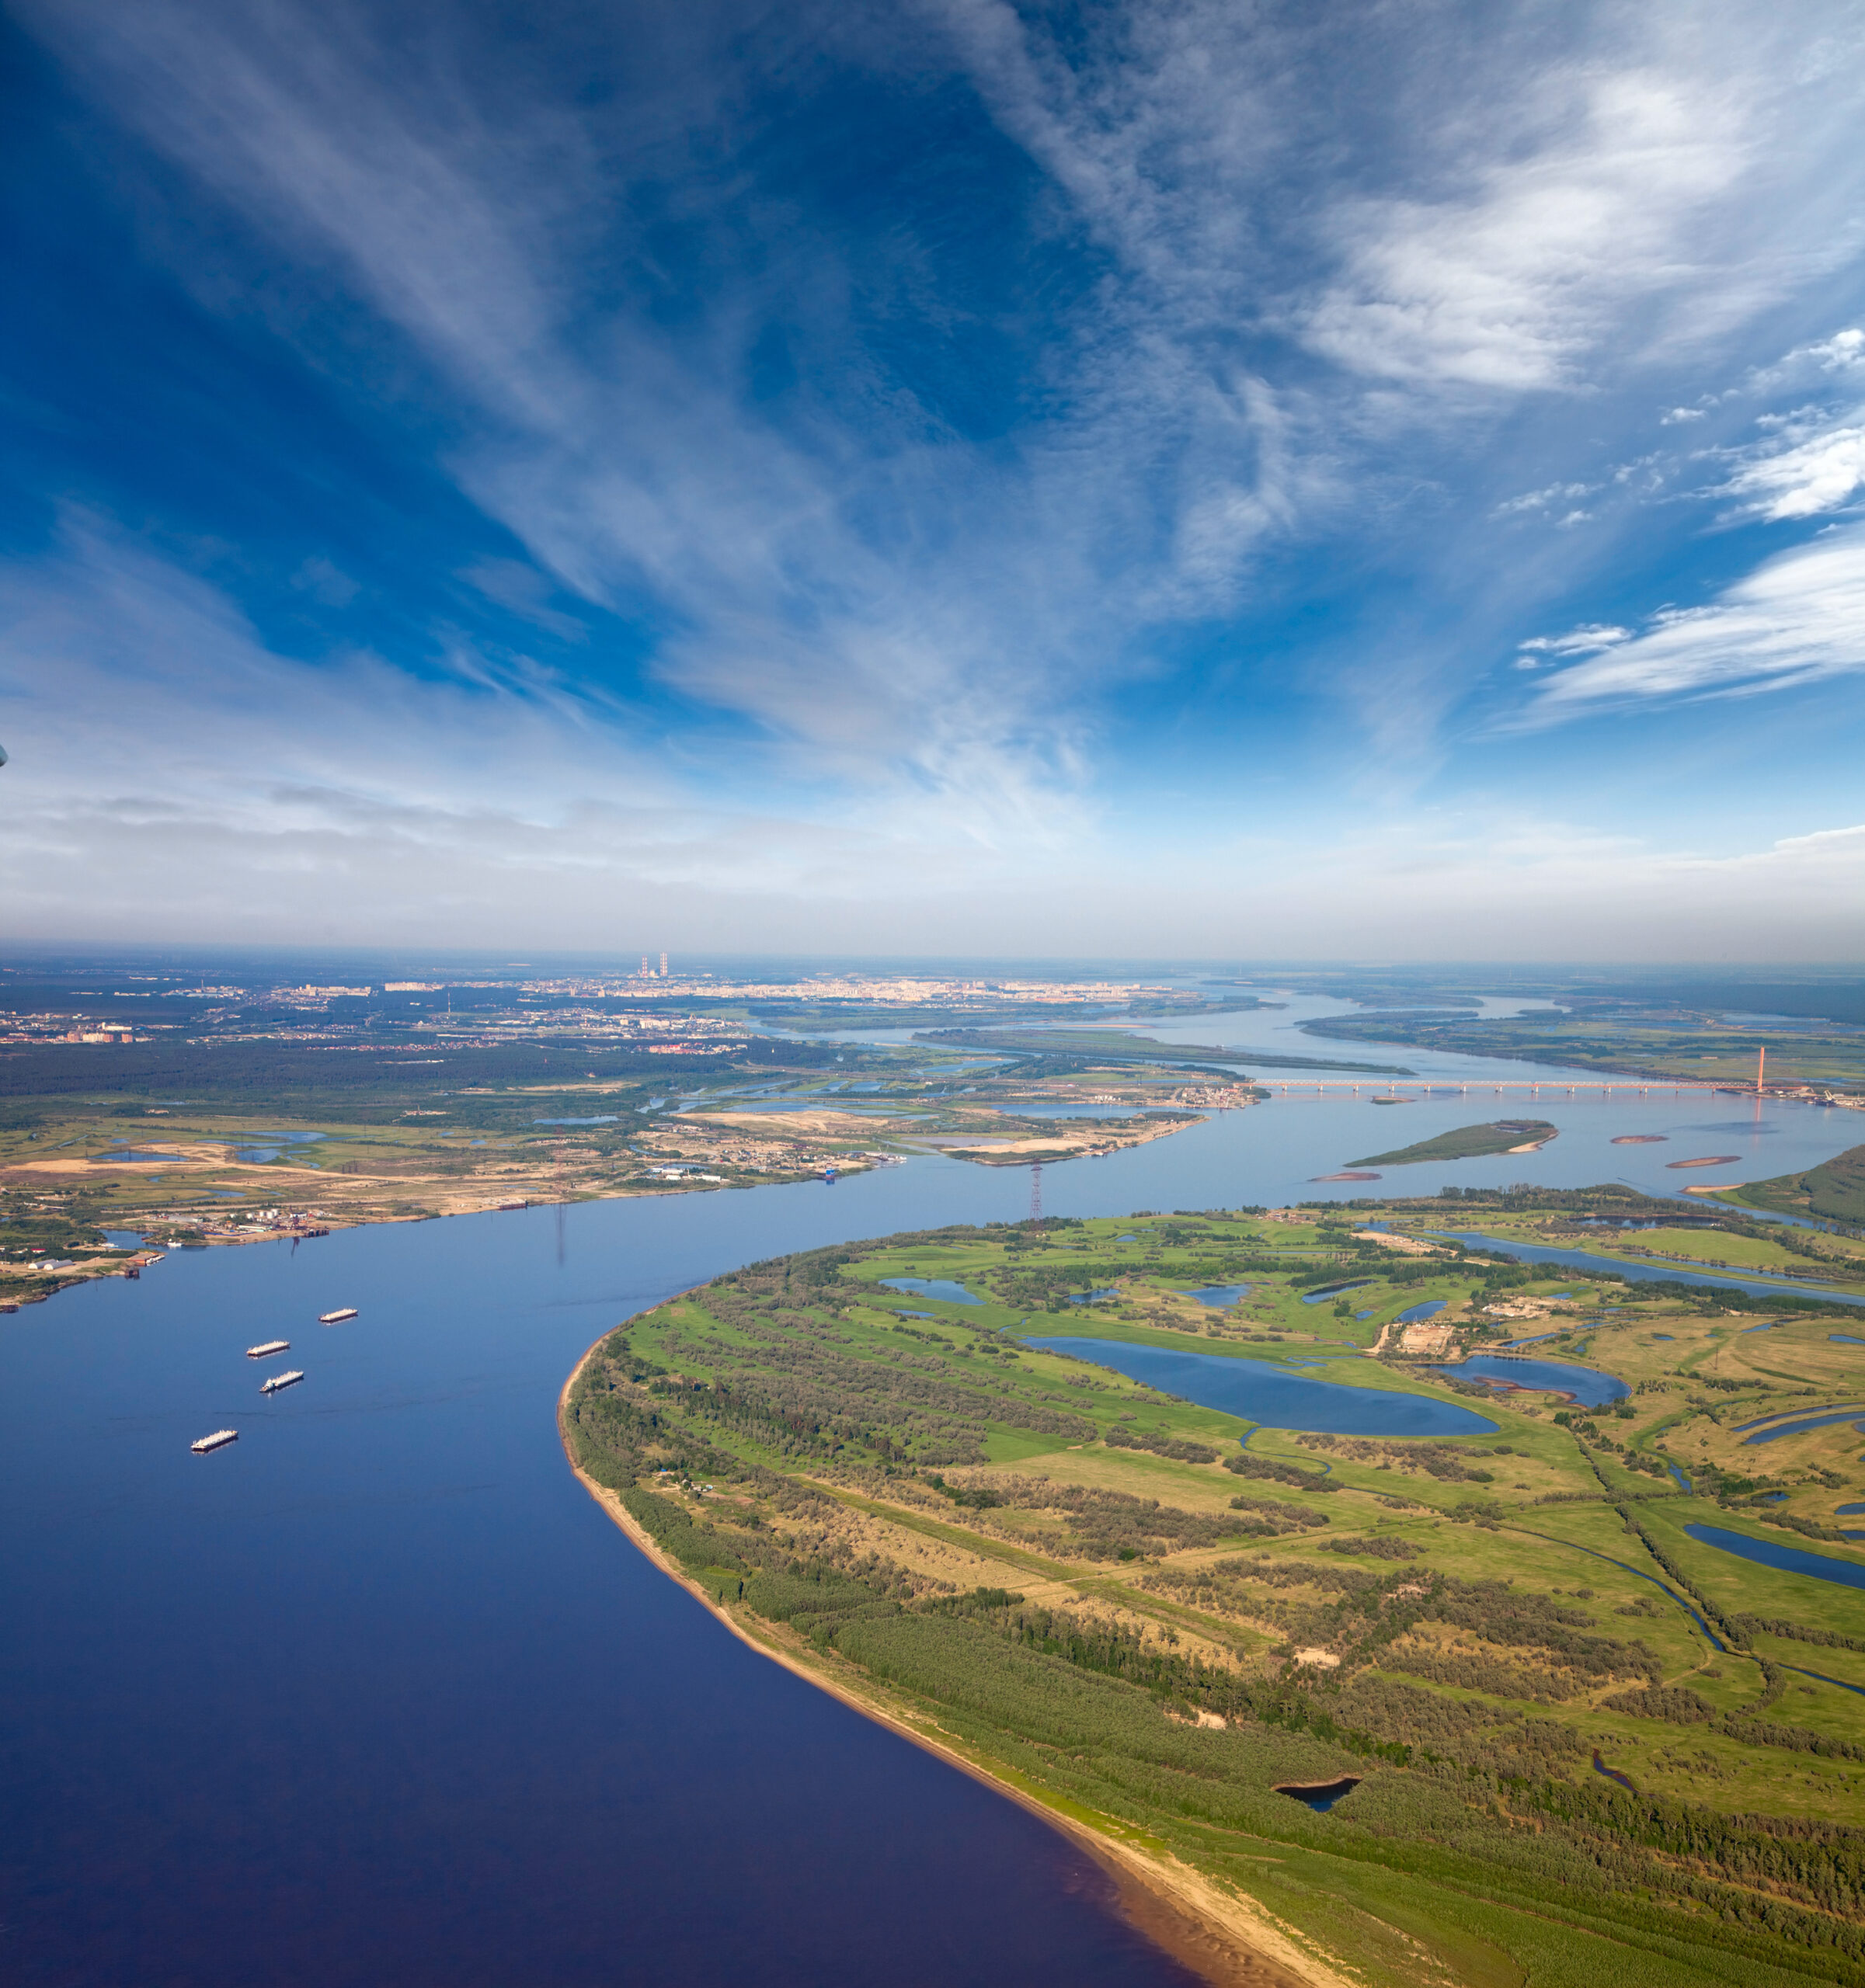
(218, 1441)
(271, 1347)
(336, 1318)
(278, 1381)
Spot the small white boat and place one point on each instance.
(336, 1318)
(278, 1381)
(218, 1441)
(271, 1347)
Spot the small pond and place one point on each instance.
(1218, 1295)
(1328, 1291)
(1260, 1392)
(600, 1118)
(940, 1288)
(1846, 1339)
(1319, 1795)
(1093, 1296)
(1784, 1558)
(129, 1158)
(274, 1143)
(1419, 1313)
(1589, 1387)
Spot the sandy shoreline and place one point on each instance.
(1227, 1939)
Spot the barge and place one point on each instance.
(272, 1386)
(336, 1318)
(218, 1441)
(271, 1347)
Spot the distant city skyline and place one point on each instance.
(1175, 481)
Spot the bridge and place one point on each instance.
(1426, 1086)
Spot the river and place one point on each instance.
(377, 1694)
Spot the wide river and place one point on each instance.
(378, 1695)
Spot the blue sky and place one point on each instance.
(1385, 480)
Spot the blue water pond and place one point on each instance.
(1587, 1385)
(1419, 1313)
(275, 1143)
(942, 1288)
(1320, 1797)
(1271, 1395)
(1093, 1296)
(1218, 1295)
(1328, 1291)
(1847, 1338)
(1784, 1558)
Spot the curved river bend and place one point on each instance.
(377, 1693)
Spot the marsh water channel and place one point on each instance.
(377, 1694)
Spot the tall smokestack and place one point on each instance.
(1761, 1064)
(663, 966)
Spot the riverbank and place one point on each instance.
(1226, 1939)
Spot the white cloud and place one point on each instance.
(1512, 281)
(1541, 500)
(1813, 462)
(1586, 640)
(1797, 620)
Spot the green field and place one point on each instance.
(1059, 1572)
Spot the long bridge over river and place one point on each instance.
(1428, 1086)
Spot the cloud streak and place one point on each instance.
(1798, 620)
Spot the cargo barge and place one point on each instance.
(218, 1441)
(278, 1381)
(336, 1318)
(271, 1347)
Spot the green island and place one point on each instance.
(1571, 1743)
(1470, 1142)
